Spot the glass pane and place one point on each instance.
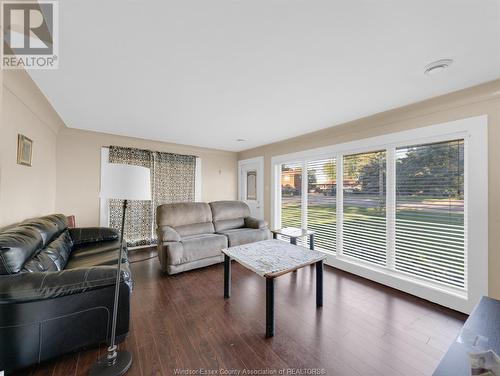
(291, 195)
(430, 211)
(252, 185)
(321, 202)
(364, 228)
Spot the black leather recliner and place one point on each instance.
(56, 290)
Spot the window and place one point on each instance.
(291, 193)
(402, 209)
(252, 185)
(322, 202)
(430, 211)
(364, 225)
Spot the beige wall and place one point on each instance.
(79, 161)
(483, 99)
(26, 191)
(66, 162)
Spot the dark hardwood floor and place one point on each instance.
(183, 323)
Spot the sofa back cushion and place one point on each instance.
(187, 218)
(17, 245)
(20, 243)
(228, 215)
(49, 226)
(195, 229)
(53, 257)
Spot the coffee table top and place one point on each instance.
(272, 258)
(293, 232)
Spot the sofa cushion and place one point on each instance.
(195, 248)
(195, 229)
(246, 235)
(188, 218)
(53, 257)
(60, 220)
(82, 235)
(229, 215)
(47, 229)
(229, 224)
(183, 213)
(17, 245)
(95, 254)
(229, 209)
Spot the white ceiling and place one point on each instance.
(207, 72)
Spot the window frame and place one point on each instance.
(474, 133)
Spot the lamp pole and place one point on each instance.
(116, 363)
(123, 182)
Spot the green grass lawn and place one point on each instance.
(428, 243)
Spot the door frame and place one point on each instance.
(260, 180)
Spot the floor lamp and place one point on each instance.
(124, 182)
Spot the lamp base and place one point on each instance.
(121, 366)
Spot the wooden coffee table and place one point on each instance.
(271, 259)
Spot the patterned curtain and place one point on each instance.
(172, 180)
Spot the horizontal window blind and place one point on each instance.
(291, 195)
(322, 202)
(416, 228)
(430, 229)
(364, 209)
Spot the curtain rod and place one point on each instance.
(155, 151)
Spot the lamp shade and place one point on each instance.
(126, 182)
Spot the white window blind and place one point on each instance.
(364, 209)
(322, 202)
(430, 229)
(291, 195)
(406, 209)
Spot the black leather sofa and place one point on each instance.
(56, 290)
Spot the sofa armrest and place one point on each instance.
(83, 235)
(24, 287)
(167, 234)
(170, 253)
(252, 222)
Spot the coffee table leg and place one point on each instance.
(227, 277)
(311, 242)
(269, 307)
(319, 284)
(275, 236)
(294, 242)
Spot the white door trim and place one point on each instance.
(260, 180)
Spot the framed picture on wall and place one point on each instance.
(24, 150)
